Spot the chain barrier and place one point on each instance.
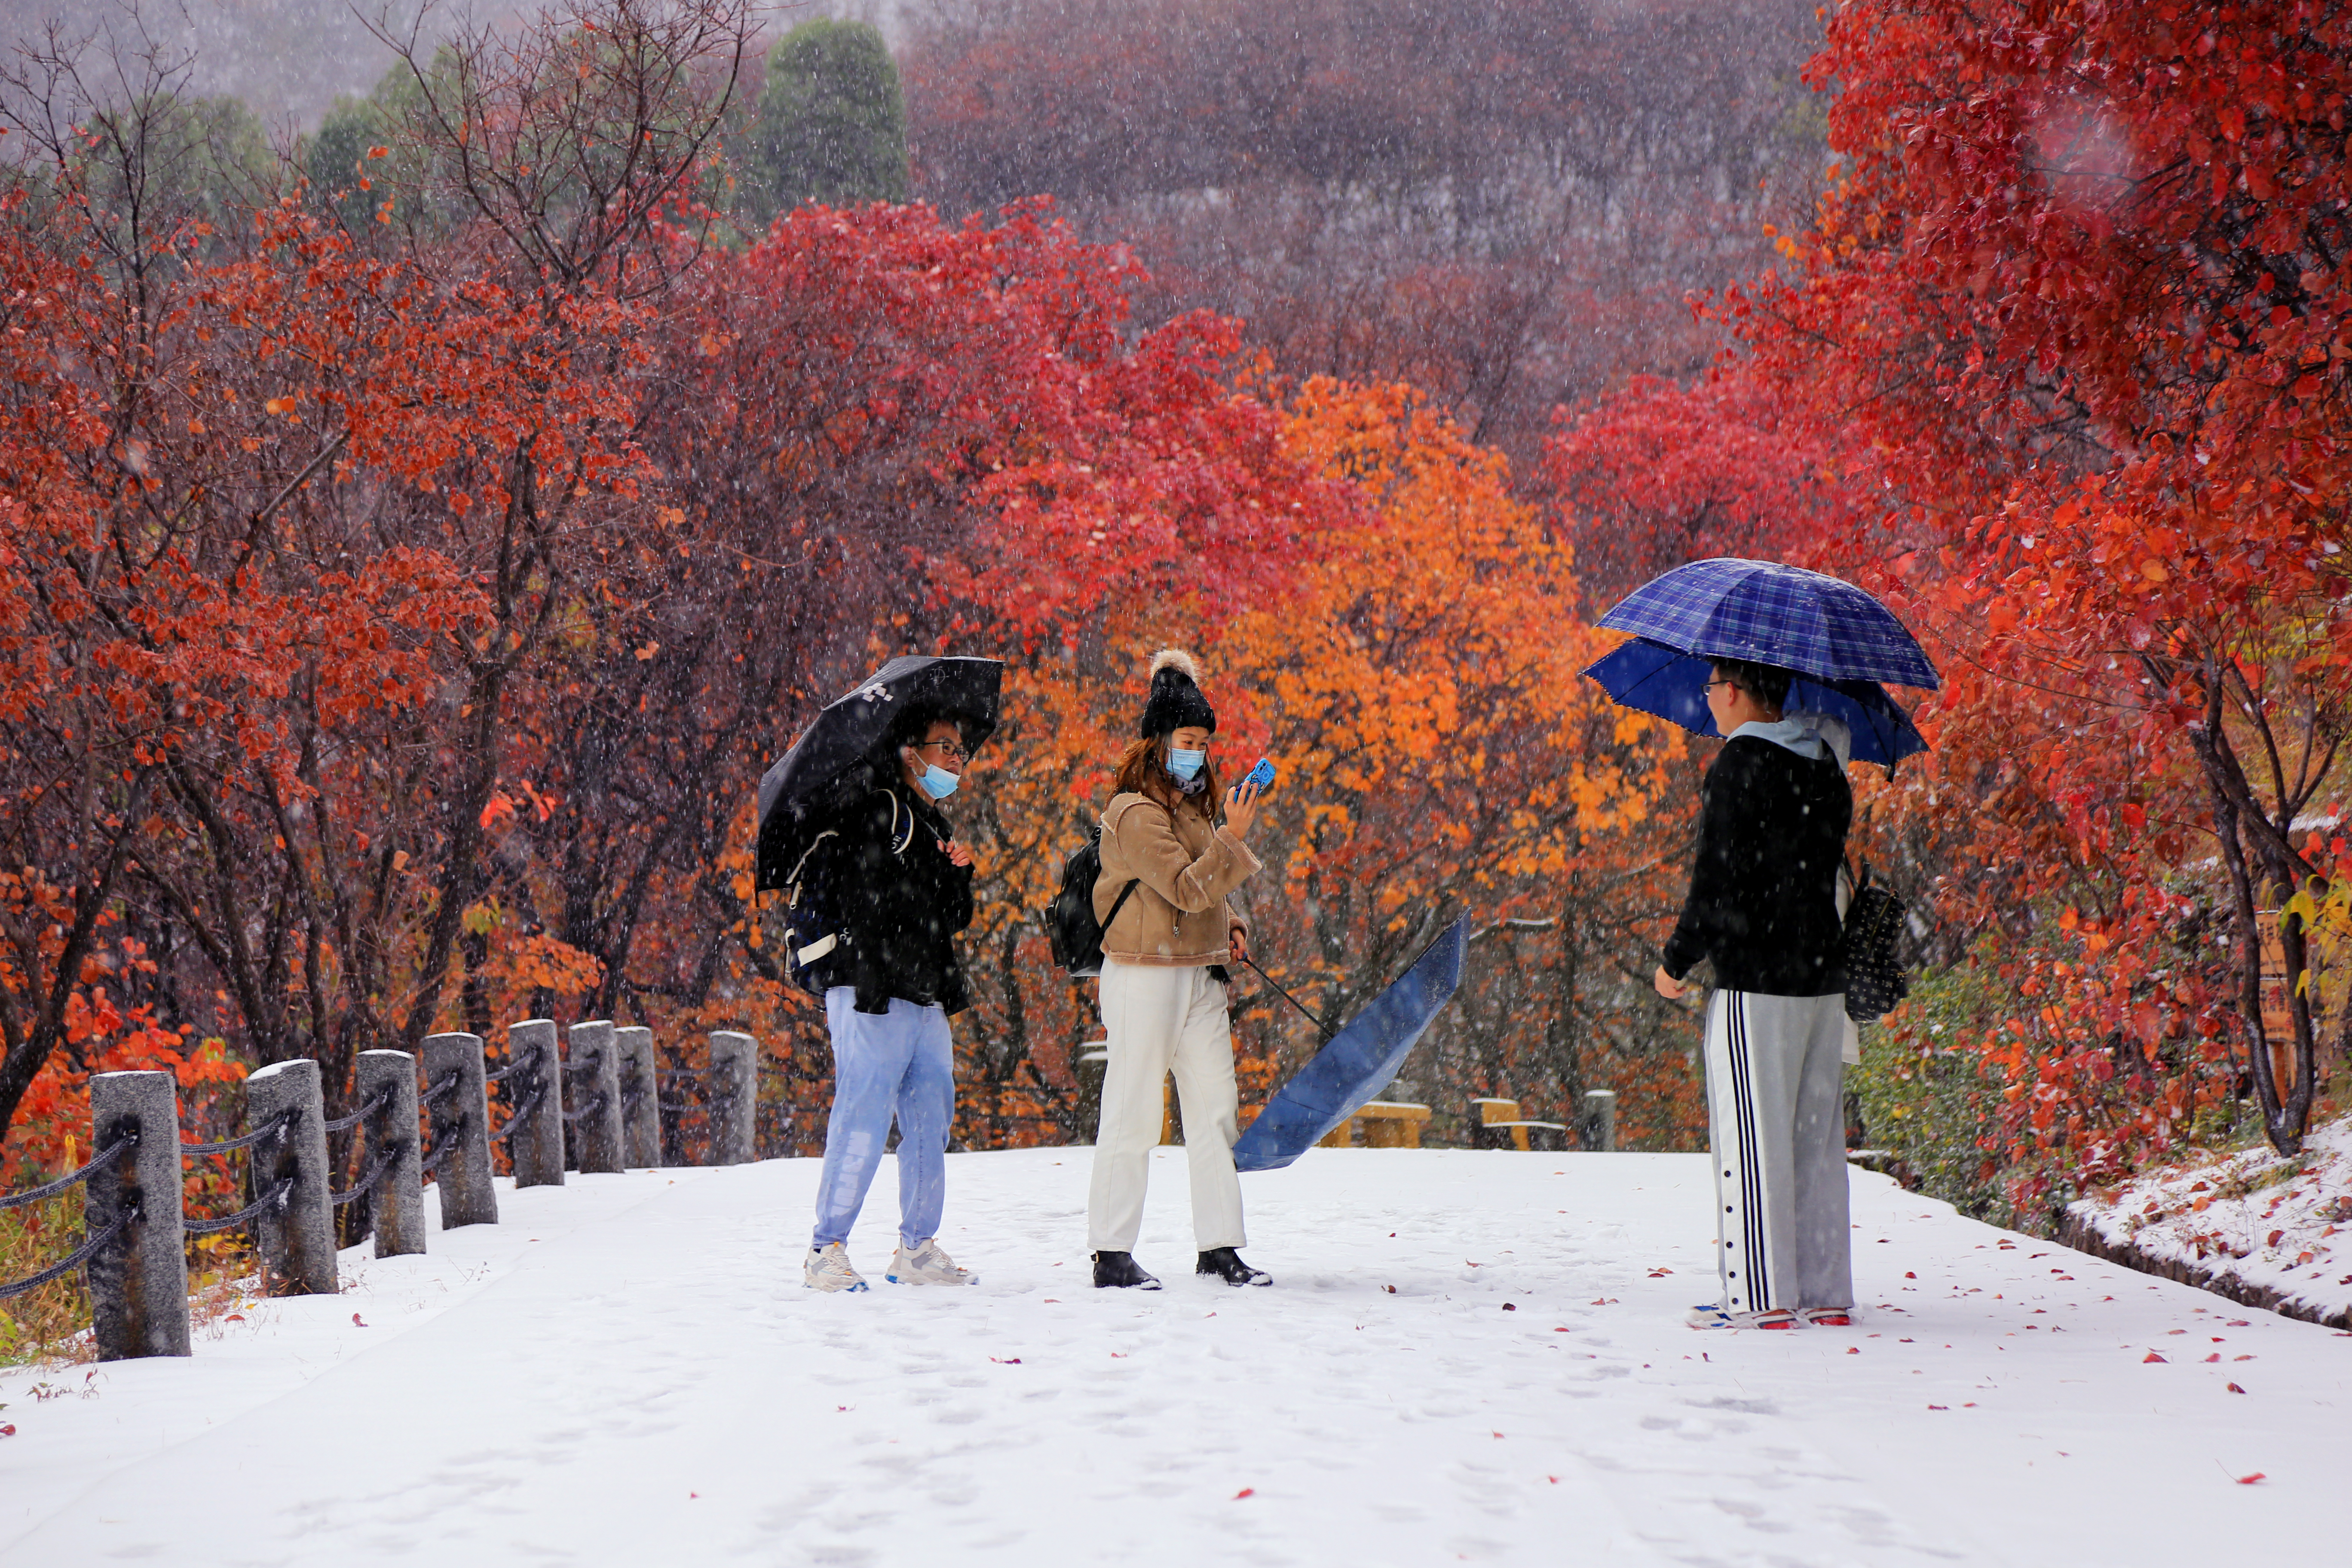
(80, 1256)
(376, 1102)
(275, 1196)
(512, 1068)
(64, 1182)
(383, 1161)
(262, 1133)
(522, 1112)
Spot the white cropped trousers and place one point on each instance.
(1775, 1120)
(1161, 1019)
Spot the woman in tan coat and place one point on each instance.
(1168, 866)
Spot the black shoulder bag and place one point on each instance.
(1875, 981)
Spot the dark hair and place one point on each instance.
(1768, 683)
(910, 727)
(1143, 770)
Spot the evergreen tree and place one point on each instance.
(830, 125)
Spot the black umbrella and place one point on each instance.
(843, 752)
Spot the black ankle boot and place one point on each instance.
(1120, 1269)
(1227, 1265)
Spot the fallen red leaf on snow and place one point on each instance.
(1939, 1407)
(356, 1323)
(2149, 1357)
(1006, 1360)
(1853, 1350)
(2234, 1388)
(2250, 1480)
(1245, 1491)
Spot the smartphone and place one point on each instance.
(1261, 775)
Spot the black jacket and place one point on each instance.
(1763, 892)
(901, 902)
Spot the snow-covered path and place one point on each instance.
(1466, 1356)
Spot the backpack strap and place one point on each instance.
(900, 839)
(1119, 903)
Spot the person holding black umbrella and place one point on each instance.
(901, 885)
(1168, 869)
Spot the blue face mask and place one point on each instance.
(1185, 764)
(937, 782)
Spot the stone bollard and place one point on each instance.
(397, 1207)
(460, 1121)
(1599, 1121)
(640, 1095)
(138, 1283)
(298, 1234)
(536, 1146)
(593, 1080)
(729, 1096)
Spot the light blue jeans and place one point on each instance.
(898, 1063)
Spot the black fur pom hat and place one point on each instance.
(1175, 700)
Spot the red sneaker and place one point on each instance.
(1827, 1317)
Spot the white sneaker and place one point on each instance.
(827, 1269)
(926, 1265)
(1713, 1316)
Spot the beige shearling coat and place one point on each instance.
(1184, 868)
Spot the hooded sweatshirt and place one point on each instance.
(1771, 836)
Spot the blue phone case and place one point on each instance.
(1261, 775)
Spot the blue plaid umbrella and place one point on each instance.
(1782, 616)
(1671, 684)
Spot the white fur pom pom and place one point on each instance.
(1177, 659)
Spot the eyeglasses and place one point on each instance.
(1713, 684)
(949, 750)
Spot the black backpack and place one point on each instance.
(1070, 919)
(1875, 981)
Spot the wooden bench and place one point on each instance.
(1388, 1124)
(1499, 1119)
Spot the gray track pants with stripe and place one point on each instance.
(1775, 1121)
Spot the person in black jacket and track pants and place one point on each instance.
(892, 981)
(1763, 908)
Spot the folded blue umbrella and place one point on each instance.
(1771, 614)
(1655, 678)
(1357, 1061)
